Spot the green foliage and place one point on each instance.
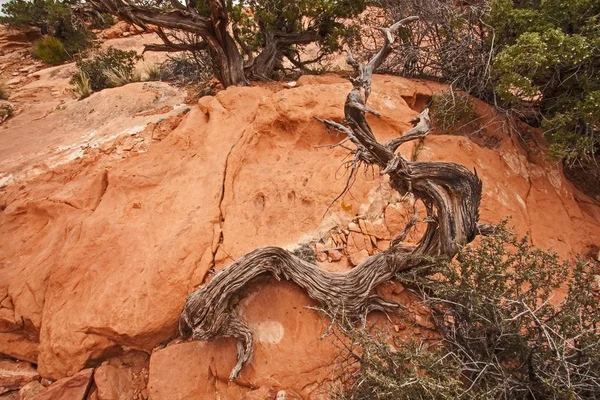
(52, 17)
(505, 334)
(451, 110)
(102, 21)
(550, 56)
(254, 18)
(48, 15)
(50, 50)
(397, 370)
(109, 68)
(540, 59)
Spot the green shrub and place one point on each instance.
(52, 17)
(109, 68)
(187, 68)
(102, 21)
(504, 334)
(50, 50)
(451, 110)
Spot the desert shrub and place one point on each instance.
(537, 59)
(109, 68)
(4, 91)
(81, 85)
(50, 50)
(187, 68)
(450, 110)
(51, 17)
(448, 43)
(504, 334)
(102, 21)
(551, 59)
(6, 111)
(390, 368)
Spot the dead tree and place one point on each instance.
(451, 194)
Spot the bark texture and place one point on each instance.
(451, 194)
(234, 62)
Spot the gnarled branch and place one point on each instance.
(451, 194)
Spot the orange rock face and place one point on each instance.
(97, 258)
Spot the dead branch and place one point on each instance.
(451, 194)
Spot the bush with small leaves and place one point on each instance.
(504, 331)
(52, 17)
(187, 68)
(451, 110)
(109, 68)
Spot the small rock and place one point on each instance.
(398, 288)
(10, 396)
(290, 84)
(335, 255)
(71, 388)
(320, 247)
(321, 252)
(262, 393)
(353, 227)
(380, 231)
(287, 395)
(598, 256)
(46, 382)
(126, 34)
(14, 81)
(363, 226)
(14, 375)
(359, 257)
(114, 382)
(137, 205)
(29, 391)
(321, 257)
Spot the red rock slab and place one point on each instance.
(75, 387)
(14, 375)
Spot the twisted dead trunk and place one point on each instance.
(450, 192)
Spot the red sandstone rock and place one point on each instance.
(263, 393)
(288, 351)
(30, 390)
(358, 257)
(14, 375)
(72, 388)
(122, 377)
(86, 275)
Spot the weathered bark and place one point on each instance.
(450, 192)
(227, 49)
(227, 59)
